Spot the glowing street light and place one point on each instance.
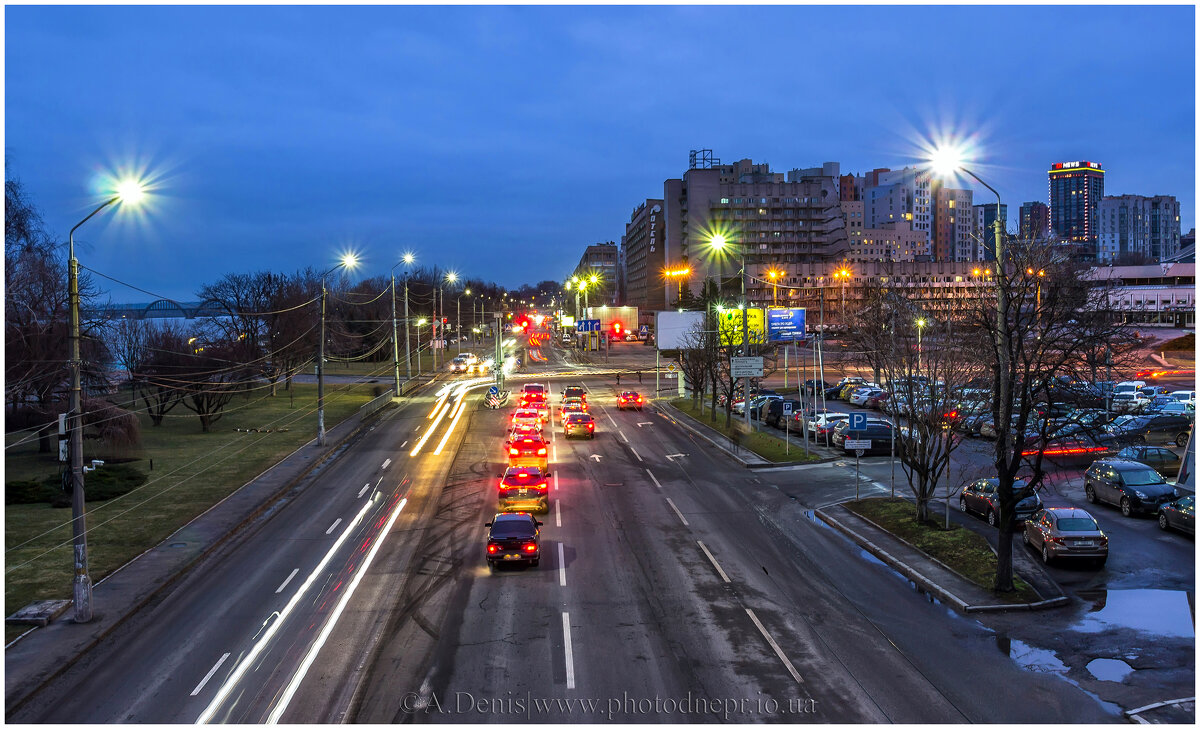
(679, 274)
(130, 192)
(719, 242)
(406, 260)
(920, 326)
(774, 274)
(844, 275)
(349, 261)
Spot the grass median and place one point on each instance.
(188, 471)
(764, 444)
(966, 552)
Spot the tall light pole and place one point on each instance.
(452, 279)
(844, 275)
(719, 242)
(920, 326)
(420, 323)
(458, 313)
(348, 261)
(130, 192)
(406, 261)
(774, 274)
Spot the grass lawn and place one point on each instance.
(766, 445)
(191, 472)
(1186, 343)
(964, 550)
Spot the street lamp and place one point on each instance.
(920, 326)
(774, 274)
(679, 274)
(719, 242)
(843, 274)
(407, 262)
(131, 192)
(348, 261)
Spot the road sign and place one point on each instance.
(856, 444)
(644, 330)
(671, 367)
(785, 325)
(587, 325)
(858, 421)
(858, 452)
(493, 390)
(787, 408)
(746, 367)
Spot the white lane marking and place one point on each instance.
(610, 419)
(622, 434)
(775, 646)
(713, 559)
(404, 444)
(211, 671)
(557, 514)
(285, 584)
(677, 512)
(298, 678)
(387, 463)
(555, 449)
(631, 450)
(652, 478)
(562, 566)
(556, 480)
(333, 526)
(567, 650)
(250, 658)
(363, 490)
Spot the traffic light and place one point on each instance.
(617, 328)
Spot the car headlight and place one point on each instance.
(1139, 494)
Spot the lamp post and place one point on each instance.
(920, 326)
(348, 261)
(844, 275)
(719, 242)
(774, 274)
(406, 261)
(420, 323)
(679, 274)
(132, 193)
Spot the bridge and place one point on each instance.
(161, 309)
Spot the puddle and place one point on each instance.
(1109, 669)
(872, 558)
(812, 516)
(1038, 660)
(1163, 612)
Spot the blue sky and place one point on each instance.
(499, 141)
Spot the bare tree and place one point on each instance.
(697, 359)
(159, 379)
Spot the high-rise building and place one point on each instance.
(1075, 192)
(1138, 226)
(645, 259)
(894, 242)
(985, 232)
(899, 195)
(1035, 221)
(600, 260)
(953, 224)
(772, 221)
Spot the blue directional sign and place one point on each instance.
(493, 390)
(587, 325)
(858, 421)
(785, 325)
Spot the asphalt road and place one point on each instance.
(674, 587)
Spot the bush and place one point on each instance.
(107, 482)
(28, 491)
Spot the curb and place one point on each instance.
(333, 450)
(1132, 714)
(683, 418)
(912, 574)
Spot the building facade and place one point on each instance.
(1138, 225)
(953, 225)
(1076, 189)
(985, 231)
(1035, 221)
(892, 242)
(897, 195)
(600, 260)
(775, 223)
(645, 258)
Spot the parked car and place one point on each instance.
(1185, 396)
(1135, 487)
(1155, 429)
(1160, 459)
(1066, 532)
(982, 497)
(875, 402)
(1175, 407)
(1178, 514)
(878, 432)
(1129, 386)
(1128, 402)
(773, 412)
(862, 394)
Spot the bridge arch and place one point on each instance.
(162, 305)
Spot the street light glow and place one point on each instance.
(350, 260)
(718, 241)
(921, 323)
(131, 191)
(946, 159)
(594, 278)
(408, 259)
(452, 277)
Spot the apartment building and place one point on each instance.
(1139, 225)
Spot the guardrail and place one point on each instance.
(375, 404)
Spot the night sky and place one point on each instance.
(500, 141)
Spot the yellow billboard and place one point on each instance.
(730, 326)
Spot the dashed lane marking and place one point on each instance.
(677, 512)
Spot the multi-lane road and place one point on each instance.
(675, 586)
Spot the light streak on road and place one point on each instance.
(458, 411)
(432, 428)
(333, 619)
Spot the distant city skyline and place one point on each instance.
(501, 141)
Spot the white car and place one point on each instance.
(1187, 397)
(861, 395)
(822, 418)
(1129, 386)
(1129, 402)
(739, 406)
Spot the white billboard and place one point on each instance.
(672, 328)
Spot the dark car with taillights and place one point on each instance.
(1066, 532)
(630, 399)
(524, 488)
(513, 537)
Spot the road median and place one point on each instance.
(753, 449)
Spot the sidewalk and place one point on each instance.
(930, 574)
(40, 655)
(745, 456)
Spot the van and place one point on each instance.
(1129, 386)
(773, 413)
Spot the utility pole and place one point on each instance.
(745, 343)
(407, 344)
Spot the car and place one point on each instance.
(1160, 459)
(580, 424)
(529, 451)
(1178, 514)
(574, 391)
(1184, 396)
(528, 416)
(583, 406)
(463, 362)
(982, 497)
(1129, 386)
(878, 432)
(522, 430)
(524, 488)
(1154, 429)
(862, 394)
(513, 537)
(773, 412)
(876, 401)
(630, 399)
(1128, 402)
(849, 391)
(826, 419)
(756, 402)
(1068, 532)
(1134, 487)
(536, 400)
(567, 408)
(1173, 407)
(533, 388)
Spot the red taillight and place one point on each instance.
(492, 549)
(501, 484)
(513, 452)
(591, 425)
(531, 547)
(541, 485)
(639, 399)
(522, 475)
(541, 452)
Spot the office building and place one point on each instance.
(953, 224)
(1076, 189)
(894, 242)
(1035, 221)
(893, 196)
(1137, 227)
(600, 260)
(645, 258)
(774, 222)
